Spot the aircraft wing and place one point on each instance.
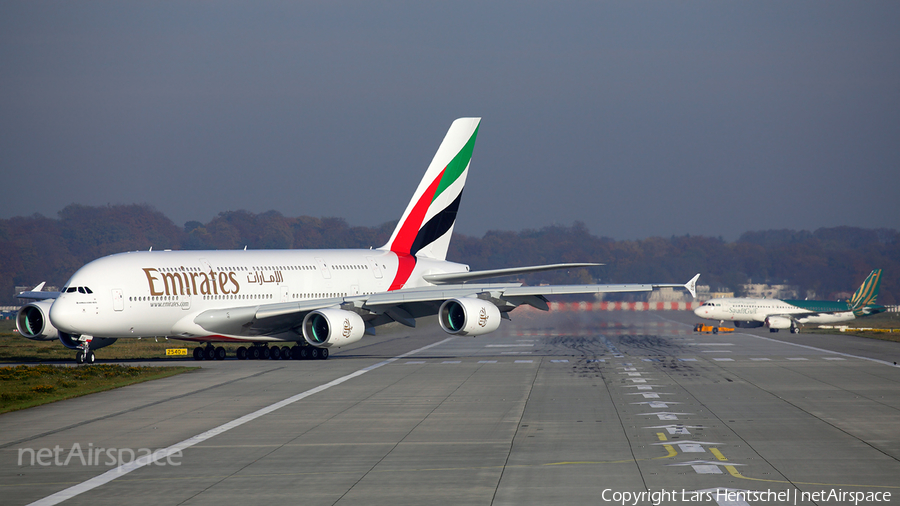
(36, 293)
(402, 306)
(462, 277)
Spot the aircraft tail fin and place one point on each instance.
(427, 224)
(866, 293)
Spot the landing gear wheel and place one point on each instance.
(241, 353)
(304, 353)
(285, 353)
(220, 353)
(275, 353)
(209, 353)
(295, 352)
(198, 353)
(323, 354)
(253, 353)
(79, 357)
(314, 353)
(89, 357)
(265, 353)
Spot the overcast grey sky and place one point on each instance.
(638, 118)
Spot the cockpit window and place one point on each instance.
(73, 289)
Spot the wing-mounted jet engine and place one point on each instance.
(776, 323)
(468, 316)
(324, 328)
(33, 321)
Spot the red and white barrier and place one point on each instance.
(624, 306)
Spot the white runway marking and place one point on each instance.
(124, 469)
(885, 362)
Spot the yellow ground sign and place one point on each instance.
(176, 351)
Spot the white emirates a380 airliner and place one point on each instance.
(313, 299)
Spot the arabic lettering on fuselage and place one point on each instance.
(260, 277)
(203, 283)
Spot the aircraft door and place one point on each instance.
(118, 297)
(323, 268)
(374, 266)
(284, 293)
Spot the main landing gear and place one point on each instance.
(260, 352)
(264, 352)
(209, 353)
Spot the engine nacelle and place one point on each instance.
(468, 317)
(33, 321)
(778, 322)
(325, 328)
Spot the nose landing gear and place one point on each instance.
(84, 357)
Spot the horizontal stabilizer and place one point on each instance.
(462, 277)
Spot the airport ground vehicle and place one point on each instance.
(701, 327)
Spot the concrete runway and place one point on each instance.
(562, 408)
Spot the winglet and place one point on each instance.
(691, 285)
(39, 287)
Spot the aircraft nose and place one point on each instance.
(64, 316)
(700, 311)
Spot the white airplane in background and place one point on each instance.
(789, 314)
(323, 298)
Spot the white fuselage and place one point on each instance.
(744, 309)
(160, 293)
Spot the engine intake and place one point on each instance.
(33, 321)
(468, 317)
(325, 328)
